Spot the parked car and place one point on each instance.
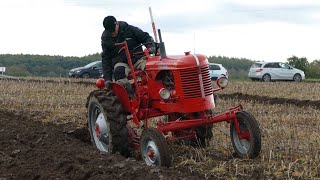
(271, 71)
(217, 70)
(91, 70)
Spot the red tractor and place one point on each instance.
(176, 87)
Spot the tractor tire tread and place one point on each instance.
(162, 145)
(116, 118)
(255, 149)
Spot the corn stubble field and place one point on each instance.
(290, 133)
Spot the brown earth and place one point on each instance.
(272, 100)
(32, 150)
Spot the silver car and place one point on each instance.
(270, 71)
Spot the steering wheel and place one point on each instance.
(143, 44)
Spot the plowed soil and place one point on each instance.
(33, 148)
(272, 100)
(30, 149)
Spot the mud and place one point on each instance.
(30, 149)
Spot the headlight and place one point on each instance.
(222, 82)
(77, 71)
(164, 93)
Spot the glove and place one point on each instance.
(152, 50)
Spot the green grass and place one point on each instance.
(312, 80)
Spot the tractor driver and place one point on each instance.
(114, 60)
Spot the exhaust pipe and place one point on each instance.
(162, 48)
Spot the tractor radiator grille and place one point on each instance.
(191, 82)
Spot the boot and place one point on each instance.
(126, 84)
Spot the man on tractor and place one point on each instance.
(114, 59)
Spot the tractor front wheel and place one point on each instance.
(247, 144)
(154, 148)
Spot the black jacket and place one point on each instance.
(110, 53)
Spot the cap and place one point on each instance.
(109, 23)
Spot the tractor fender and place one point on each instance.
(122, 96)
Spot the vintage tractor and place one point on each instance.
(178, 88)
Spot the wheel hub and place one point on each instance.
(97, 130)
(151, 153)
(101, 130)
(242, 140)
(245, 135)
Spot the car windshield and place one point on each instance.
(256, 65)
(214, 67)
(92, 64)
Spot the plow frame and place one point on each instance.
(166, 127)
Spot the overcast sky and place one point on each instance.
(256, 29)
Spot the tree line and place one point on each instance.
(24, 65)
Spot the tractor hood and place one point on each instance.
(176, 62)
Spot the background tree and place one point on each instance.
(19, 70)
(313, 70)
(23, 65)
(299, 63)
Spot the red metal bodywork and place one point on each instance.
(192, 92)
(178, 124)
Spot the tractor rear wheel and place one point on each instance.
(154, 148)
(107, 123)
(248, 143)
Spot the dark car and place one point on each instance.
(91, 70)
